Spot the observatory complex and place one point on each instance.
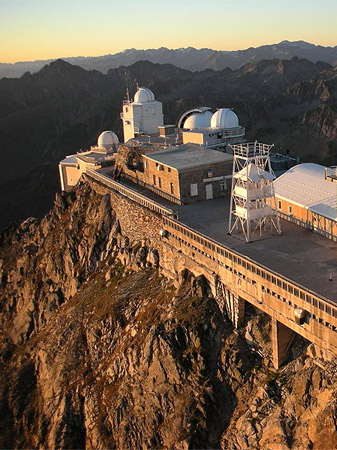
(101, 155)
(205, 187)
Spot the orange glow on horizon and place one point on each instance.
(40, 29)
(20, 55)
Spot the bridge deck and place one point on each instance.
(299, 254)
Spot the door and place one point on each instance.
(209, 191)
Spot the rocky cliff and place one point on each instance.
(98, 350)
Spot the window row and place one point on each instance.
(254, 269)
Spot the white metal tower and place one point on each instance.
(253, 205)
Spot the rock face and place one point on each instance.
(99, 350)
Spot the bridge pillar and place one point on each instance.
(233, 304)
(235, 307)
(282, 338)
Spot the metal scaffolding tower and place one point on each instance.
(253, 205)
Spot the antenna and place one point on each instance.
(127, 87)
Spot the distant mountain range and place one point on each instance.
(62, 108)
(186, 58)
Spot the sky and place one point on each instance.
(48, 29)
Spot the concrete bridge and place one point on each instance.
(236, 279)
(298, 303)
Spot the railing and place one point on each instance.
(331, 172)
(307, 225)
(226, 134)
(251, 149)
(155, 140)
(219, 252)
(130, 193)
(142, 183)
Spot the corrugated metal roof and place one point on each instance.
(305, 185)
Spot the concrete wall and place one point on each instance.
(71, 175)
(193, 138)
(142, 117)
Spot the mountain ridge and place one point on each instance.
(188, 58)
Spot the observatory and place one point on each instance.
(141, 116)
(253, 204)
(100, 155)
(217, 130)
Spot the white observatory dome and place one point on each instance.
(143, 95)
(224, 118)
(198, 120)
(107, 139)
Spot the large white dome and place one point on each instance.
(224, 118)
(106, 139)
(143, 95)
(198, 120)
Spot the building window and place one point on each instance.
(223, 186)
(154, 179)
(290, 210)
(159, 182)
(126, 109)
(279, 204)
(194, 189)
(209, 173)
(172, 188)
(169, 169)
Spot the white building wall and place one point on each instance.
(142, 118)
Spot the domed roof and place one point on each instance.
(198, 120)
(143, 95)
(224, 118)
(106, 139)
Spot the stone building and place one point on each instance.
(188, 173)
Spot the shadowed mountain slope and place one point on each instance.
(63, 108)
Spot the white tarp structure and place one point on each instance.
(252, 192)
(305, 185)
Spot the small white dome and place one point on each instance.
(224, 118)
(106, 139)
(198, 120)
(143, 95)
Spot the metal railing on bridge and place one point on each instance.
(157, 191)
(130, 193)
